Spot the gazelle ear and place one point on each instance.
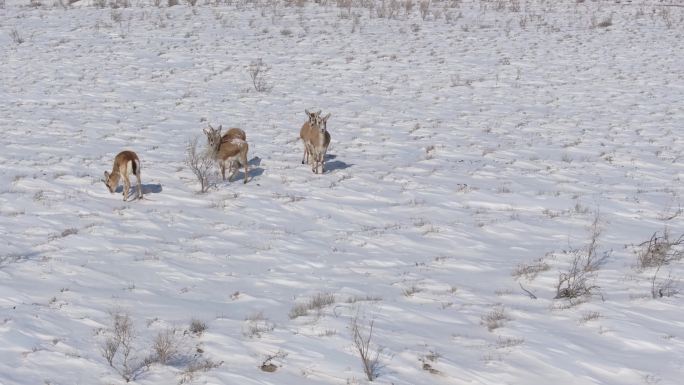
(206, 132)
(307, 112)
(326, 117)
(319, 112)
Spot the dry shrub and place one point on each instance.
(657, 252)
(317, 302)
(200, 163)
(494, 319)
(578, 280)
(369, 354)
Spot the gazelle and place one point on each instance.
(233, 133)
(230, 148)
(125, 163)
(305, 132)
(316, 138)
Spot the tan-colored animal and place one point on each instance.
(316, 138)
(125, 163)
(305, 132)
(233, 133)
(230, 149)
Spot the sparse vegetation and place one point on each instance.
(473, 136)
(362, 336)
(495, 318)
(659, 251)
(118, 348)
(200, 163)
(197, 327)
(590, 316)
(256, 325)
(195, 367)
(530, 270)
(16, 37)
(410, 290)
(165, 346)
(257, 72)
(317, 303)
(578, 280)
(267, 365)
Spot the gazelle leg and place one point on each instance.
(140, 191)
(246, 168)
(126, 186)
(232, 169)
(223, 169)
(323, 163)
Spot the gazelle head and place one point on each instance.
(111, 181)
(313, 116)
(213, 136)
(322, 123)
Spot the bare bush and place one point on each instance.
(197, 327)
(578, 280)
(530, 270)
(200, 162)
(256, 325)
(267, 365)
(16, 37)
(494, 319)
(317, 302)
(369, 298)
(590, 316)
(659, 251)
(165, 346)
(257, 72)
(119, 344)
(410, 290)
(197, 366)
(370, 355)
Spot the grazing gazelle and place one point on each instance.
(125, 163)
(316, 140)
(230, 148)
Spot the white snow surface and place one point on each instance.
(464, 145)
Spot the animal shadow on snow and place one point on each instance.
(335, 164)
(152, 188)
(254, 171)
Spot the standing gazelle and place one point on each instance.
(230, 148)
(316, 138)
(214, 135)
(125, 163)
(305, 132)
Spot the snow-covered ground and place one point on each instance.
(466, 147)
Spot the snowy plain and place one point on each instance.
(468, 144)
